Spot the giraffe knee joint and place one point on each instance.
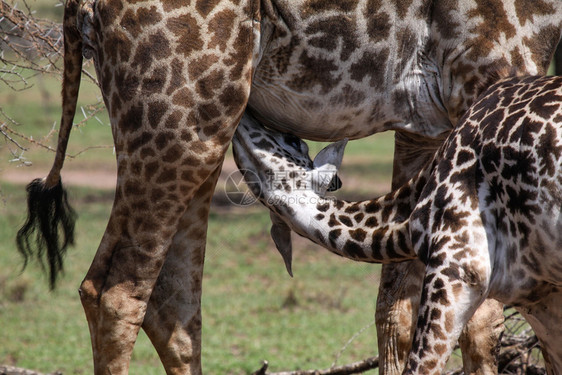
(89, 295)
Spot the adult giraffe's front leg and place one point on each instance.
(400, 288)
(545, 316)
(175, 85)
(173, 318)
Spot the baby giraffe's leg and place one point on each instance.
(173, 317)
(456, 281)
(444, 310)
(397, 307)
(400, 288)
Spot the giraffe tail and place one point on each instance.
(48, 213)
(49, 227)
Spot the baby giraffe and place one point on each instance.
(484, 215)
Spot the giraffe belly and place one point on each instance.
(315, 117)
(348, 113)
(316, 78)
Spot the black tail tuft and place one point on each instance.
(48, 213)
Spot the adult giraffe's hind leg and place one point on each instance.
(116, 291)
(480, 339)
(396, 312)
(544, 317)
(174, 95)
(173, 317)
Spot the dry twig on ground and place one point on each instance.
(10, 370)
(519, 355)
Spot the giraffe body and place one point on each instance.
(485, 216)
(326, 70)
(334, 86)
(176, 77)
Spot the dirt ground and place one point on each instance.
(73, 176)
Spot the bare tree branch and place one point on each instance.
(31, 48)
(352, 368)
(519, 355)
(10, 370)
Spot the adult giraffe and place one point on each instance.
(176, 76)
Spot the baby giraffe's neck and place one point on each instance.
(293, 186)
(374, 230)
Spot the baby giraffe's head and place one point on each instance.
(280, 173)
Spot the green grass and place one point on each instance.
(252, 309)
